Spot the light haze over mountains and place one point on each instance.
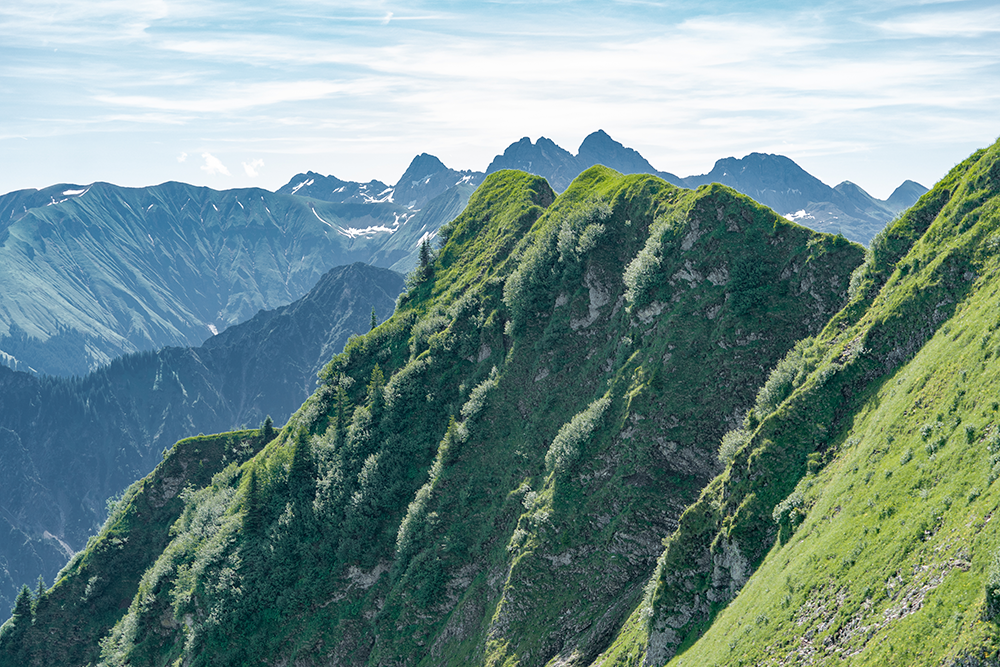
(95, 271)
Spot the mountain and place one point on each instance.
(67, 444)
(559, 167)
(93, 272)
(484, 478)
(111, 568)
(773, 180)
(776, 181)
(851, 523)
(424, 179)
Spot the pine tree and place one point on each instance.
(253, 518)
(302, 472)
(22, 605)
(425, 255)
(376, 397)
(40, 587)
(374, 320)
(267, 429)
(340, 435)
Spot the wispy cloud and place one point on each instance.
(213, 165)
(252, 168)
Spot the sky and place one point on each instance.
(240, 93)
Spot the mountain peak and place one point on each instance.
(421, 166)
(600, 148)
(905, 195)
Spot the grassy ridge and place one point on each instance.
(485, 477)
(867, 483)
(94, 589)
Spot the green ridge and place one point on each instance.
(485, 477)
(864, 491)
(93, 591)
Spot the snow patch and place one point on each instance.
(211, 327)
(322, 220)
(75, 193)
(799, 215)
(382, 197)
(302, 185)
(241, 205)
(464, 179)
(426, 237)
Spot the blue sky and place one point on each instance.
(249, 93)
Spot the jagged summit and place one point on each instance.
(905, 195)
(557, 165)
(421, 166)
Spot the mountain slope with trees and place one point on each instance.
(486, 477)
(68, 444)
(852, 521)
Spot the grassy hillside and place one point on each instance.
(68, 444)
(852, 525)
(486, 477)
(93, 590)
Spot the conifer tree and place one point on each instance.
(340, 435)
(253, 519)
(22, 606)
(40, 587)
(267, 429)
(376, 398)
(302, 472)
(374, 322)
(425, 255)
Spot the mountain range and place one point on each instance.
(627, 424)
(484, 478)
(121, 415)
(772, 180)
(93, 272)
(68, 444)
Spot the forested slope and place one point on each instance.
(486, 477)
(68, 444)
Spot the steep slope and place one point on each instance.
(776, 181)
(852, 522)
(68, 619)
(107, 270)
(68, 444)
(485, 477)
